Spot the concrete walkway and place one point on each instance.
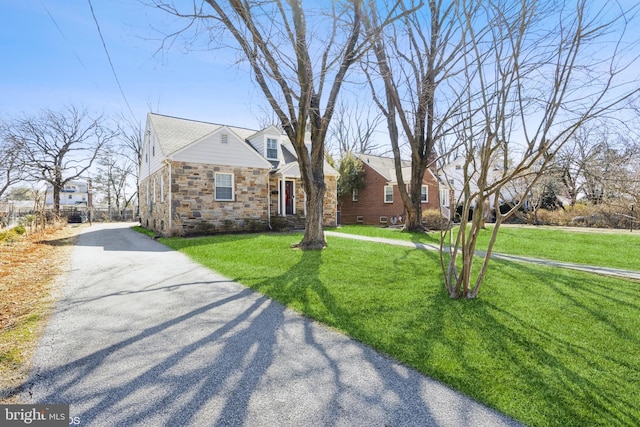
(617, 272)
(145, 337)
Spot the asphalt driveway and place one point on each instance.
(143, 336)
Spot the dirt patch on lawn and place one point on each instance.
(30, 272)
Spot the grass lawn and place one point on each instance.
(546, 346)
(619, 250)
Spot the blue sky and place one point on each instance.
(52, 56)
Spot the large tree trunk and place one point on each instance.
(314, 231)
(56, 199)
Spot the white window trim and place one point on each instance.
(217, 199)
(426, 193)
(266, 147)
(444, 197)
(385, 193)
(354, 195)
(154, 189)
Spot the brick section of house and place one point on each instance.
(371, 206)
(194, 208)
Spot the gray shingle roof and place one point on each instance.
(175, 133)
(385, 166)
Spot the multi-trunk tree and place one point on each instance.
(535, 73)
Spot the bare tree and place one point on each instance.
(415, 58)
(131, 140)
(353, 129)
(12, 160)
(60, 146)
(536, 73)
(299, 58)
(112, 179)
(299, 65)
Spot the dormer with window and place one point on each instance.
(272, 149)
(267, 143)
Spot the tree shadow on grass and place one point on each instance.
(519, 344)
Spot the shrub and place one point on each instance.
(278, 223)
(9, 236)
(203, 227)
(432, 219)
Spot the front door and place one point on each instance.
(288, 197)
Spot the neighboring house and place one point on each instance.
(379, 202)
(454, 174)
(204, 177)
(74, 194)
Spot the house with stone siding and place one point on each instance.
(199, 177)
(379, 201)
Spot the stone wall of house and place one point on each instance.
(153, 194)
(330, 214)
(194, 209)
(194, 204)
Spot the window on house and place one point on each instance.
(154, 190)
(70, 196)
(424, 194)
(388, 194)
(444, 197)
(272, 148)
(224, 186)
(354, 195)
(153, 149)
(224, 138)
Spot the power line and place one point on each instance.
(106, 51)
(67, 41)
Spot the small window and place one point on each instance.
(154, 190)
(383, 220)
(424, 194)
(162, 188)
(354, 195)
(70, 196)
(272, 148)
(388, 194)
(224, 186)
(444, 197)
(153, 149)
(360, 219)
(224, 138)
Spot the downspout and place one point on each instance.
(169, 198)
(269, 201)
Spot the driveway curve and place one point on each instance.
(145, 337)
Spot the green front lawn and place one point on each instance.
(546, 346)
(615, 250)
